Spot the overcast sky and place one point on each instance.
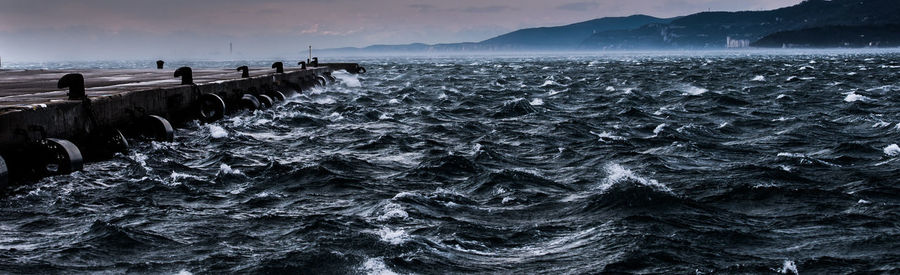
(38, 30)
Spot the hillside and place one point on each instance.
(568, 36)
(835, 36)
(710, 29)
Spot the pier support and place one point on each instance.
(37, 107)
(4, 174)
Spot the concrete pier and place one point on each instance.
(33, 108)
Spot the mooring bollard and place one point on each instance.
(279, 67)
(314, 62)
(245, 71)
(186, 75)
(302, 65)
(159, 64)
(75, 83)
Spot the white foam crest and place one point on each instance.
(659, 128)
(392, 211)
(141, 160)
(184, 272)
(349, 80)
(791, 155)
(216, 131)
(391, 236)
(892, 150)
(788, 267)
(694, 90)
(393, 101)
(224, 169)
(554, 92)
(334, 116)
(548, 83)
(610, 89)
(374, 266)
(604, 136)
(853, 97)
(759, 78)
(537, 102)
(616, 174)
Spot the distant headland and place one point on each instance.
(810, 24)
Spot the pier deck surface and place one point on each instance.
(22, 88)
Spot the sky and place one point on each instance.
(67, 30)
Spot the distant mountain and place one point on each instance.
(795, 25)
(710, 29)
(568, 36)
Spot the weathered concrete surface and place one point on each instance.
(31, 106)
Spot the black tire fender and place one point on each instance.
(210, 108)
(249, 102)
(265, 101)
(157, 128)
(59, 157)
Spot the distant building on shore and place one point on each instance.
(736, 43)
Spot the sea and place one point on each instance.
(737, 162)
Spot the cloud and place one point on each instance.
(424, 7)
(488, 9)
(579, 6)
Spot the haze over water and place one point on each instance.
(660, 163)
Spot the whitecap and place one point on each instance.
(604, 136)
(788, 267)
(616, 174)
(225, 170)
(392, 211)
(759, 78)
(393, 101)
(853, 97)
(334, 116)
(548, 83)
(536, 102)
(391, 236)
(694, 90)
(659, 128)
(791, 155)
(374, 266)
(610, 89)
(349, 80)
(554, 92)
(892, 150)
(216, 131)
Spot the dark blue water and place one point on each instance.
(640, 164)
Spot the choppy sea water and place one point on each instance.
(640, 164)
